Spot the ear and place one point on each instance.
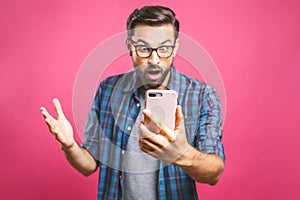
(128, 47)
(176, 46)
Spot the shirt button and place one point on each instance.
(138, 105)
(120, 176)
(123, 151)
(129, 128)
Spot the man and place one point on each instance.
(134, 162)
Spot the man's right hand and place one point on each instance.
(60, 127)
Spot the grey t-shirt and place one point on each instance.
(140, 170)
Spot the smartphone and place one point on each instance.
(162, 104)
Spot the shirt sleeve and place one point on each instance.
(209, 139)
(92, 128)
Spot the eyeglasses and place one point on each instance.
(144, 51)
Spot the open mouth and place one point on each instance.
(153, 75)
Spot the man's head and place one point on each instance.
(152, 43)
(152, 16)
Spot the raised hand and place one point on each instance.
(60, 127)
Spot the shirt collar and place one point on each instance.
(174, 81)
(131, 82)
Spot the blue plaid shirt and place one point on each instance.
(113, 114)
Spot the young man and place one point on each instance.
(134, 162)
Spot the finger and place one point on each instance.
(147, 118)
(145, 145)
(179, 124)
(52, 126)
(165, 131)
(157, 126)
(149, 148)
(58, 108)
(152, 122)
(50, 121)
(45, 113)
(145, 132)
(157, 140)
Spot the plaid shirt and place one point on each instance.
(113, 114)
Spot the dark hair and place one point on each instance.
(152, 16)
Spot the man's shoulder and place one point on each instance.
(115, 78)
(189, 80)
(117, 83)
(191, 84)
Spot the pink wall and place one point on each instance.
(255, 45)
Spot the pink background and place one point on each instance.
(255, 45)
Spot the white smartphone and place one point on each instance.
(162, 104)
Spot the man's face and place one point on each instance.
(154, 70)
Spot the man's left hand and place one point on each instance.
(157, 140)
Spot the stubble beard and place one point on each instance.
(149, 84)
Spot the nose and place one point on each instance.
(154, 59)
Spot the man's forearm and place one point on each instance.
(80, 159)
(203, 168)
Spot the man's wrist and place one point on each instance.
(69, 148)
(187, 158)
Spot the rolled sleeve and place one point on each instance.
(209, 138)
(92, 129)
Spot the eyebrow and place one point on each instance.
(143, 41)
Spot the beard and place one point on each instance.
(147, 76)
